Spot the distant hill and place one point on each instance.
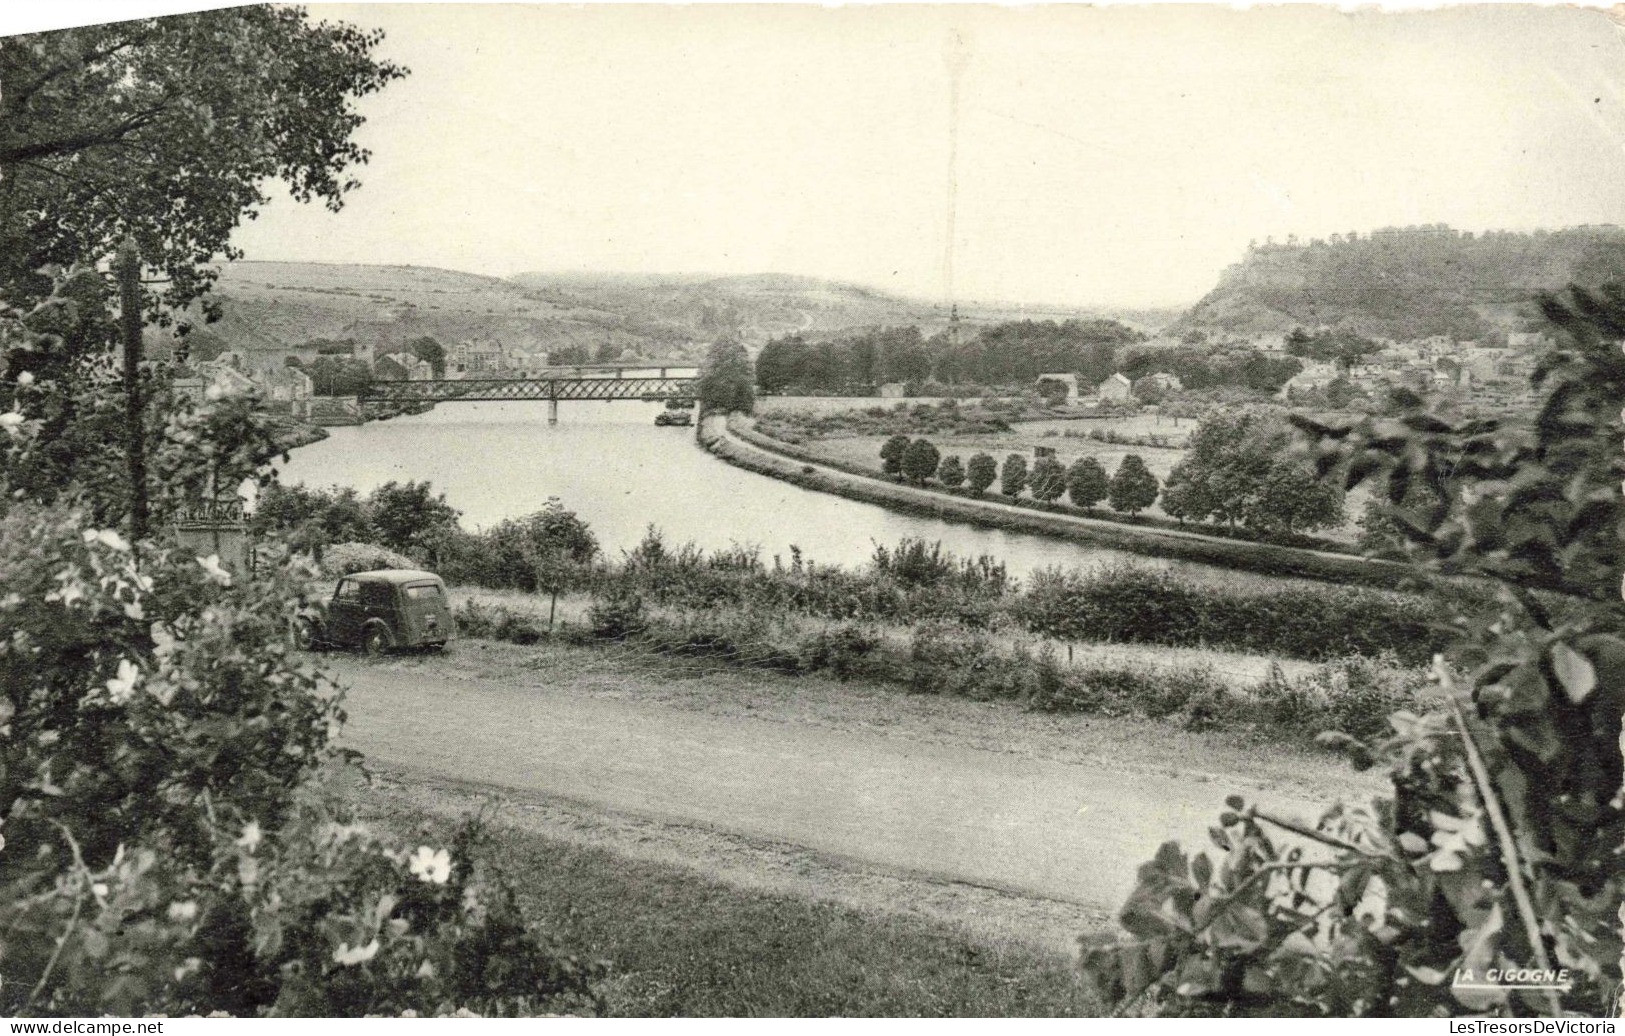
(1406, 283)
(754, 307)
(270, 309)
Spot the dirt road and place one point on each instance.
(999, 819)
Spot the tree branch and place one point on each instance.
(80, 141)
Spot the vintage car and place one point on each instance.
(380, 611)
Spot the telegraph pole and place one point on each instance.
(127, 268)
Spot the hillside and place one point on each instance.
(756, 307)
(1405, 283)
(270, 308)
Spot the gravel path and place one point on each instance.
(998, 819)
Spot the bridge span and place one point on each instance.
(555, 385)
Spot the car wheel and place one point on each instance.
(303, 635)
(377, 641)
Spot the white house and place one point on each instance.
(286, 384)
(1116, 389)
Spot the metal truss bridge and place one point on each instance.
(604, 384)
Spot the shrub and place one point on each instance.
(165, 781)
(951, 472)
(617, 616)
(842, 649)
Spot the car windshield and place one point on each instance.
(423, 590)
(348, 590)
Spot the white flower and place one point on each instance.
(107, 538)
(358, 955)
(163, 642)
(122, 686)
(25, 379)
(430, 865)
(250, 838)
(426, 970)
(99, 890)
(183, 911)
(12, 422)
(212, 569)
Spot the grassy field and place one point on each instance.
(682, 944)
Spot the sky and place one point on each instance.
(1040, 155)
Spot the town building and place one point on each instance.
(402, 367)
(1116, 389)
(480, 358)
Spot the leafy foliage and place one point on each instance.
(166, 128)
(1133, 488)
(1247, 467)
(1500, 847)
(1013, 476)
(891, 454)
(1048, 479)
(920, 460)
(726, 384)
(1086, 482)
(980, 473)
(951, 472)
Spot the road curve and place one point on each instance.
(1006, 821)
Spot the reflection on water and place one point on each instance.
(611, 465)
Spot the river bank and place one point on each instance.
(730, 441)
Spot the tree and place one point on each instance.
(1086, 482)
(726, 382)
(1013, 479)
(980, 473)
(1244, 467)
(1052, 391)
(339, 376)
(410, 518)
(920, 461)
(776, 363)
(951, 472)
(167, 129)
(1048, 479)
(431, 352)
(891, 454)
(1133, 487)
(559, 543)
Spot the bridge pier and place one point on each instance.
(553, 410)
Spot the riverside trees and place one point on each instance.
(1133, 487)
(1242, 468)
(726, 383)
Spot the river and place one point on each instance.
(610, 464)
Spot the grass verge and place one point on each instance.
(684, 945)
